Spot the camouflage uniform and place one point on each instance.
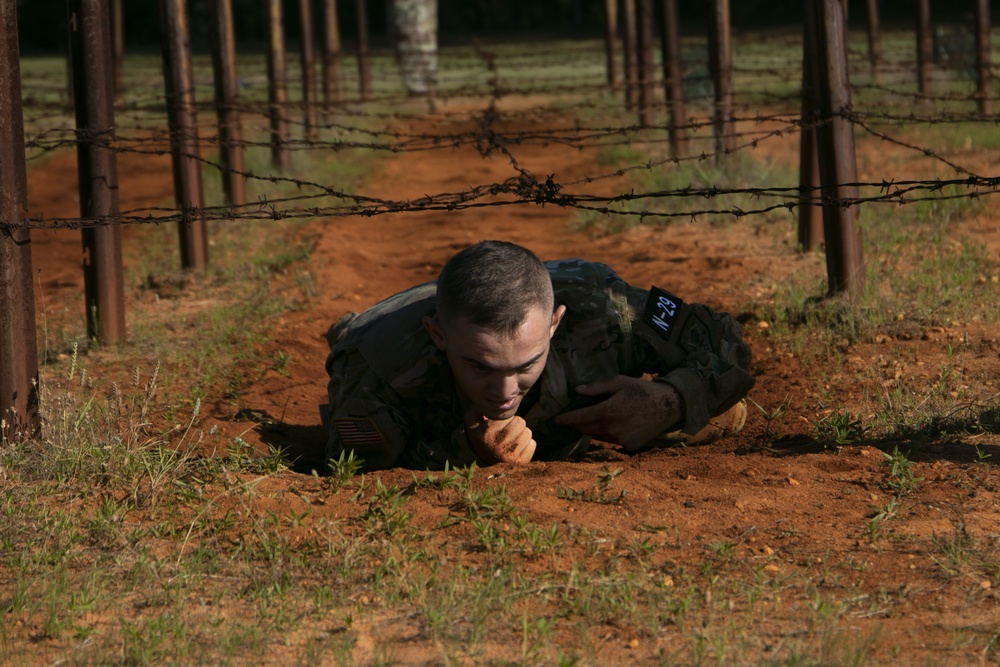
(415, 30)
(392, 397)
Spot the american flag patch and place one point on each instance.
(357, 431)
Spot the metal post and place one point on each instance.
(182, 118)
(118, 55)
(631, 56)
(364, 71)
(18, 346)
(310, 103)
(673, 77)
(647, 77)
(835, 144)
(721, 65)
(874, 38)
(331, 56)
(277, 88)
(983, 65)
(226, 102)
(611, 41)
(104, 291)
(924, 46)
(810, 235)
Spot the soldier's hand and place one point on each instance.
(635, 411)
(499, 441)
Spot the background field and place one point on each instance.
(176, 509)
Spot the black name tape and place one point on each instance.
(663, 312)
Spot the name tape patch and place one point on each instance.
(663, 311)
(354, 431)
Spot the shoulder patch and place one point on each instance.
(357, 431)
(663, 311)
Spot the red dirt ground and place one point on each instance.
(783, 500)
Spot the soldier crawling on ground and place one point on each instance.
(507, 359)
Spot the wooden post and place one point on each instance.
(364, 70)
(18, 336)
(673, 78)
(118, 54)
(924, 46)
(611, 41)
(331, 56)
(835, 143)
(277, 89)
(182, 117)
(983, 65)
(631, 56)
(310, 101)
(721, 65)
(874, 38)
(810, 235)
(226, 101)
(104, 290)
(647, 77)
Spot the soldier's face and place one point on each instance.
(494, 372)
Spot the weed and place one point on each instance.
(343, 468)
(838, 429)
(900, 470)
(602, 493)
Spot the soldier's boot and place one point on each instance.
(720, 426)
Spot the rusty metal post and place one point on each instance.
(277, 89)
(18, 337)
(104, 290)
(118, 53)
(874, 39)
(630, 41)
(182, 118)
(673, 77)
(364, 70)
(226, 101)
(331, 56)
(611, 42)
(835, 144)
(983, 65)
(721, 66)
(924, 46)
(310, 101)
(647, 77)
(810, 235)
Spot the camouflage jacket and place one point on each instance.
(393, 401)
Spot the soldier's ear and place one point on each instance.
(435, 331)
(557, 316)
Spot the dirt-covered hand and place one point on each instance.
(634, 412)
(499, 441)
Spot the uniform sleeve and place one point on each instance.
(368, 417)
(698, 351)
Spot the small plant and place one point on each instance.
(901, 477)
(448, 479)
(602, 493)
(838, 429)
(344, 468)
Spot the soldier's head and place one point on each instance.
(494, 319)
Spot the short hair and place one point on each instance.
(493, 284)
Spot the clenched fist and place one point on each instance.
(499, 441)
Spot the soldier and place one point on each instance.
(507, 359)
(414, 27)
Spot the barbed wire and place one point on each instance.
(491, 131)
